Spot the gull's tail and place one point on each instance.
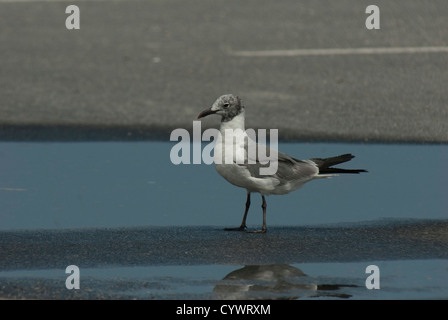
(325, 165)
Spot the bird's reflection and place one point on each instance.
(274, 281)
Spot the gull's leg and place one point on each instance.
(264, 205)
(264, 228)
(243, 224)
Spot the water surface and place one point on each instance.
(140, 227)
(113, 184)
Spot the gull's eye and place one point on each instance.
(226, 105)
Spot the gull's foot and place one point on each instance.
(241, 228)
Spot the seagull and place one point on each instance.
(291, 173)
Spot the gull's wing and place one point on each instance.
(288, 168)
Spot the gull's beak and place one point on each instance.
(206, 113)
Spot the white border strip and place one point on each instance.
(337, 51)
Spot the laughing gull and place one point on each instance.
(291, 173)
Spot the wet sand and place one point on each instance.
(35, 249)
(33, 261)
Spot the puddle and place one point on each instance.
(112, 184)
(402, 279)
(64, 186)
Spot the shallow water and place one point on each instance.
(112, 184)
(400, 279)
(67, 186)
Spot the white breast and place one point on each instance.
(230, 155)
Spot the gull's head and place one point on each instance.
(228, 106)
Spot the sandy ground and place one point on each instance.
(31, 260)
(142, 68)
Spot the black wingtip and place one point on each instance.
(325, 165)
(339, 170)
